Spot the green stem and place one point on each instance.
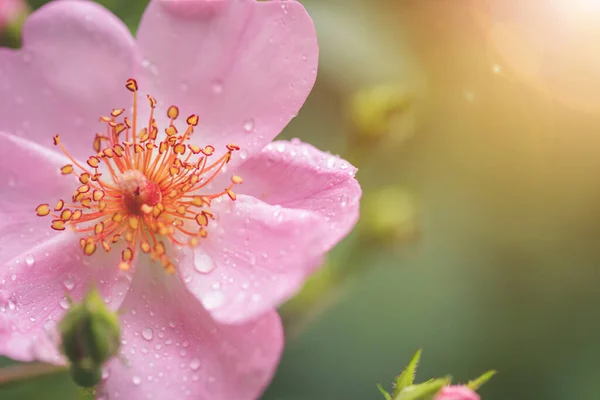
(19, 372)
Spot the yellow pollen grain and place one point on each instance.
(43, 210)
(93, 162)
(89, 248)
(59, 206)
(66, 215)
(67, 169)
(76, 215)
(173, 112)
(58, 225)
(98, 195)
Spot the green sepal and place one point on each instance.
(407, 377)
(478, 382)
(384, 392)
(423, 391)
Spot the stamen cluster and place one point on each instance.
(152, 190)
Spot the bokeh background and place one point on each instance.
(476, 129)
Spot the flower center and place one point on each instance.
(153, 190)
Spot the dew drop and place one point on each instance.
(12, 305)
(105, 373)
(64, 303)
(330, 162)
(32, 319)
(172, 324)
(147, 334)
(30, 260)
(69, 282)
(195, 364)
(203, 263)
(136, 380)
(249, 125)
(243, 154)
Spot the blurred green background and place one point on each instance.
(476, 129)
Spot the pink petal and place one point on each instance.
(244, 67)
(72, 69)
(297, 175)
(33, 289)
(173, 349)
(29, 176)
(456, 392)
(255, 256)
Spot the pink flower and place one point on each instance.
(10, 10)
(194, 260)
(456, 392)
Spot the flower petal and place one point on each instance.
(297, 175)
(255, 256)
(173, 348)
(244, 67)
(33, 290)
(29, 176)
(75, 61)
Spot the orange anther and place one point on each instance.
(131, 85)
(43, 210)
(173, 112)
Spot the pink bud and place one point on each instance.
(10, 10)
(456, 392)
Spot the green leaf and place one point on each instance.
(477, 383)
(407, 377)
(423, 391)
(383, 392)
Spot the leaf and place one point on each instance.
(407, 377)
(478, 382)
(423, 391)
(383, 392)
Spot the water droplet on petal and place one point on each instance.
(203, 263)
(105, 373)
(32, 319)
(330, 162)
(249, 125)
(147, 334)
(30, 260)
(64, 303)
(69, 282)
(243, 154)
(195, 364)
(136, 380)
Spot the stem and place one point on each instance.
(18, 372)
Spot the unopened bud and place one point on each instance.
(382, 110)
(456, 392)
(390, 214)
(90, 337)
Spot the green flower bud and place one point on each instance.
(377, 111)
(390, 214)
(90, 337)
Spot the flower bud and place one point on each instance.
(456, 392)
(90, 337)
(390, 215)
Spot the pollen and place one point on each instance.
(140, 189)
